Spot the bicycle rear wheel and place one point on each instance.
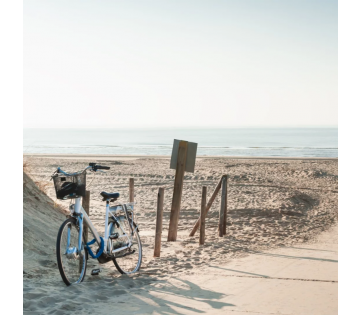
(128, 260)
(71, 261)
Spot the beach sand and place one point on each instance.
(272, 204)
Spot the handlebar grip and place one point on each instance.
(100, 167)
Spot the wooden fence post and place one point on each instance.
(131, 189)
(202, 216)
(222, 207)
(159, 218)
(86, 206)
(178, 186)
(208, 206)
(225, 210)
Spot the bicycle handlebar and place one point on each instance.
(100, 167)
(93, 166)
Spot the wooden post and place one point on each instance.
(159, 217)
(202, 216)
(226, 199)
(86, 206)
(178, 186)
(222, 207)
(208, 206)
(131, 189)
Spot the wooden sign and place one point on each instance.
(190, 156)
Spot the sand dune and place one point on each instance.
(40, 221)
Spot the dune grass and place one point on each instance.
(42, 185)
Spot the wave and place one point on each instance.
(170, 146)
(312, 148)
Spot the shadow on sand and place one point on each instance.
(175, 295)
(126, 295)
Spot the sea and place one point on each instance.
(245, 142)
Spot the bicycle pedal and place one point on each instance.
(95, 272)
(114, 236)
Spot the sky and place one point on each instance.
(160, 64)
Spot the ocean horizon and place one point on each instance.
(266, 142)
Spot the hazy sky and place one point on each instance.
(228, 63)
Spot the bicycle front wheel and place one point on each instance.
(126, 261)
(71, 260)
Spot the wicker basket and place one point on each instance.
(69, 187)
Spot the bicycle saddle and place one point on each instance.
(108, 196)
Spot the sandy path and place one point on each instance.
(301, 279)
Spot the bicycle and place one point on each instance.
(121, 242)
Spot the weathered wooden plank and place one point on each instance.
(159, 219)
(202, 216)
(208, 206)
(178, 187)
(225, 211)
(222, 207)
(131, 190)
(86, 206)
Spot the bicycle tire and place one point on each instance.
(118, 261)
(66, 275)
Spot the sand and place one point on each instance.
(272, 204)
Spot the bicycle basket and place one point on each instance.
(69, 187)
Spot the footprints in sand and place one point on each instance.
(270, 203)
